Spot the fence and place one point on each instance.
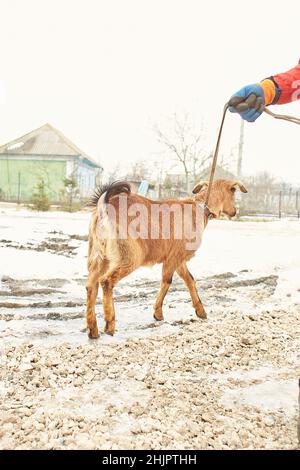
(259, 201)
(271, 203)
(21, 190)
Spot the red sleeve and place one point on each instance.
(289, 85)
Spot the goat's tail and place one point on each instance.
(116, 188)
(113, 189)
(102, 233)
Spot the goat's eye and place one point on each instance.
(233, 190)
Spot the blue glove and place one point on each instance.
(249, 102)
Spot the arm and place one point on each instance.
(288, 85)
(282, 88)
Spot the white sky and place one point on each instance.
(102, 71)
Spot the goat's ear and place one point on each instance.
(199, 186)
(239, 184)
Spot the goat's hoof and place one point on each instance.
(158, 316)
(110, 333)
(93, 333)
(109, 330)
(201, 313)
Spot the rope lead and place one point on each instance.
(216, 153)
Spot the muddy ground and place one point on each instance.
(224, 383)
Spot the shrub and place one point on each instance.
(69, 196)
(40, 200)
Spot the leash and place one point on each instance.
(283, 117)
(215, 157)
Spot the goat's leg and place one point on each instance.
(107, 284)
(166, 281)
(184, 273)
(108, 307)
(92, 291)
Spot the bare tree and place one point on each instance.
(114, 173)
(263, 192)
(264, 181)
(140, 170)
(185, 145)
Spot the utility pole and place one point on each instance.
(241, 148)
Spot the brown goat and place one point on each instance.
(112, 256)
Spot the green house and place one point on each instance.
(44, 154)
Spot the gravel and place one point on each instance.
(157, 392)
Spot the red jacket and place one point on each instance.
(288, 85)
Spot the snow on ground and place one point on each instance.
(242, 363)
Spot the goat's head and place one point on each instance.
(221, 199)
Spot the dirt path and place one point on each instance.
(227, 382)
(223, 383)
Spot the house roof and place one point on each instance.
(46, 140)
(221, 173)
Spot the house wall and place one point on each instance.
(31, 171)
(86, 178)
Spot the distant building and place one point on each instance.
(175, 183)
(136, 186)
(47, 154)
(178, 180)
(220, 173)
